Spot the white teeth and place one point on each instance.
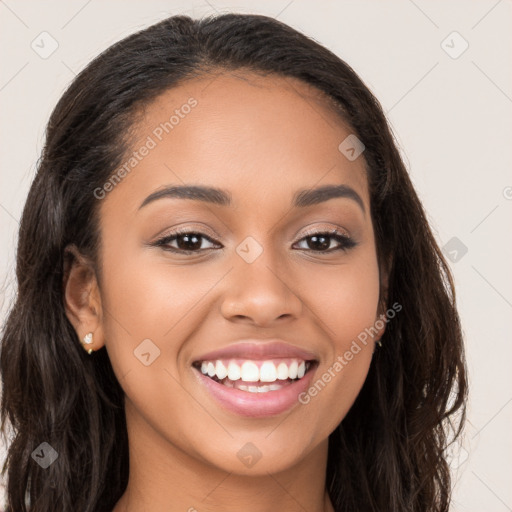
(251, 389)
(220, 370)
(268, 372)
(258, 389)
(282, 371)
(233, 371)
(292, 371)
(250, 372)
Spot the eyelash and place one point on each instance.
(345, 241)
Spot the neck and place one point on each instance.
(164, 478)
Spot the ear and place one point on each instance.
(82, 300)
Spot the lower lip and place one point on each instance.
(257, 405)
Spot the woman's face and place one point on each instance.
(255, 274)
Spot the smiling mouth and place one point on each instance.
(255, 376)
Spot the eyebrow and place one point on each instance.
(301, 199)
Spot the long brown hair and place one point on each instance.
(389, 451)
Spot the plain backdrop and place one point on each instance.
(442, 71)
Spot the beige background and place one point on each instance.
(451, 117)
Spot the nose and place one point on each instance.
(260, 293)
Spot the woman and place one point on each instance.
(222, 220)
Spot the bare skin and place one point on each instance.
(262, 139)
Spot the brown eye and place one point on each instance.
(185, 242)
(322, 241)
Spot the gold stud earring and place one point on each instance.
(87, 340)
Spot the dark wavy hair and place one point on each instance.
(389, 452)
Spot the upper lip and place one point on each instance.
(258, 349)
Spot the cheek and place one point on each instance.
(346, 298)
(346, 302)
(147, 297)
(151, 299)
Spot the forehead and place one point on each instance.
(257, 136)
